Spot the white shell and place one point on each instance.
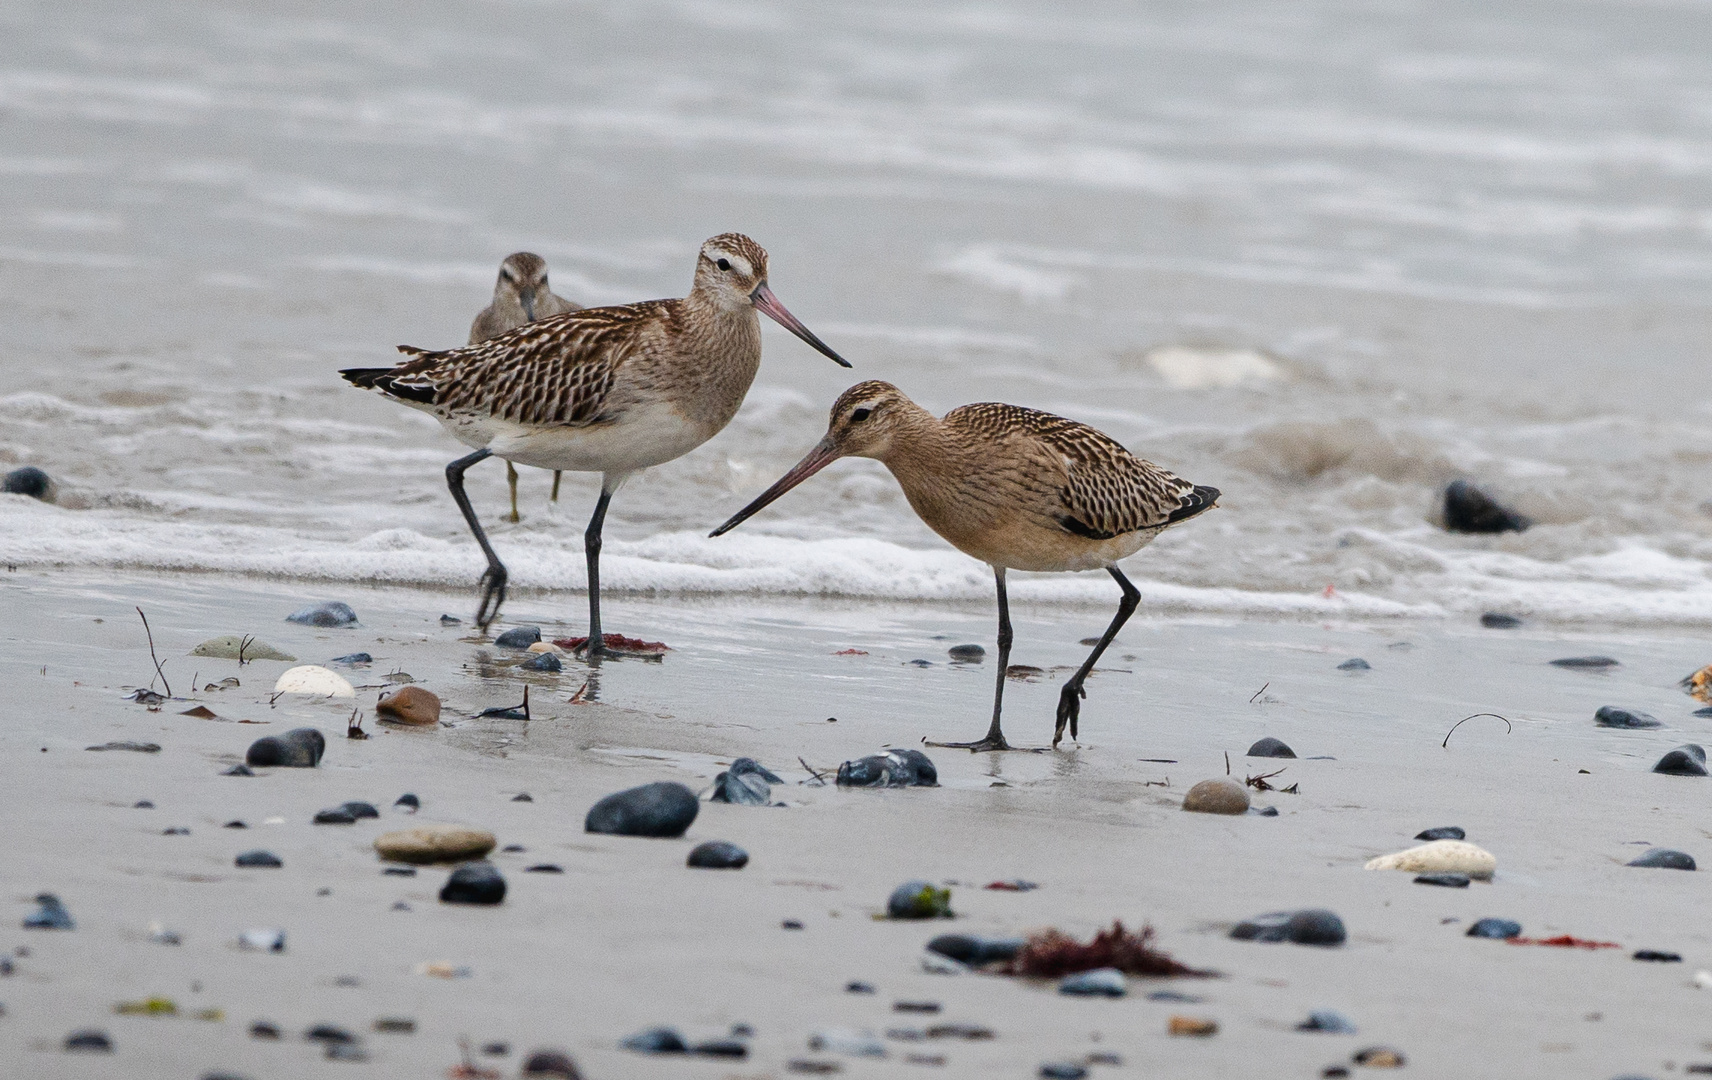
(1440, 857)
(547, 646)
(314, 679)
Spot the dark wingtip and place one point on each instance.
(363, 376)
(1199, 501)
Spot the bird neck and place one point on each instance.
(723, 363)
(926, 460)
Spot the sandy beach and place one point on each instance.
(628, 937)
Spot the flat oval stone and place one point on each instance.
(1062, 1070)
(660, 809)
(1658, 957)
(542, 662)
(967, 654)
(551, 1063)
(1100, 982)
(360, 810)
(352, 659)
(1494, 620)
(1270, 747)
(518, 637)
(1443, 832)
(1665, 859)
(331, 613)
(409, 801)
(919, 900)
(744, 789)
(89, 1041)
(299, 748)
(409, 705)
(1440, 857)
(1220, 796)
(1585, 662)
(474, 883)
(659, 1040)
(258, 858)
(1310, 926)
(718, 855)
(1355, 664)
(1688, 759)
(974, 950)
(335, 815)
(1327, 1020)
(435, 843)
(724, 1048)
(1450, 881)
(30, 481)
(1501, 929)
(314, 680)
(1612, 716)
(239, 647)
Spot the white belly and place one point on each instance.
(644, 436)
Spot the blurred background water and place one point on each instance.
(1325, 256)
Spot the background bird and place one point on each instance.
(1016, 488)
(611, 390)
(520, 296)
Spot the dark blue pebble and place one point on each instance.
(718, 855)
(142, 804)
(1493, 620)
(1664, 859)
(725, 1048)
(1174, 996)
(239, 770)
(474, 883)
(921, 663)
(450, 620)
(1659, 957)
(1101, 982)
(974, 950)
(400, 871)
(299, 748)
(894, 768)
(89, 1042)
(336, 815)
(330, 614)
(748, 766)
(659, 809)
(542, 662)
(518, 637)
(1495, 928)
(30, 481)
(1467, 509)
(496, 1049)
(175, 830)
(261, 1029)
(1327, 1020)
(660, 1040)
(859, 988)
(1313, 926)
(1688, 759)
(544, 868)
(1612, 716)
(408, 800)
(522, 796)
(1063, 1070)
(545, 1063)
(352, 658)
(257, 858)
(967, 654)
(1586, 662)
(1355, 664)
(1450, 881)
(330, 1034)
(1270, 747)
(1707, 711)
(358, 809)
(51, 915)
(1443, 832)
(234, 824)
(745, 789)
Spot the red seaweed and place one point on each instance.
(1053, 953)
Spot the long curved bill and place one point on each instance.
(818, 458)
(769, 305)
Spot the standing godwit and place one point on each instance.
(610, 390)
(520, 296)
(1017, 489)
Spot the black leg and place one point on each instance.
(492, 582)
(556, 474)
(995, 738)
(596, 646)
(1070, 698)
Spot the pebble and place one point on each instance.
(554, 1063)
(1593, 662)
(744, 789)
(329, 614)
(859, 988)
(336, 815)
(435, 843)
(1664, 859)
(659, 809)
(258, 858)
(895, 768)
(30, 481)
(266, 940)
(1451, 881)
(919, 900)
(1220, 796)
(544, 868)
(329, 1034)
(450, 620)
(1310, 926)
(725, 1048)
(1440, 857)
(718, 855)
(236, 647)
(1175, 996)
(238, 770)
(1612, 716)
(409, 705)
(1707, 711)
(360, 809)
(352, 659)
(934, 964)
(315, 680)
(1494, 620)
(1688, 759)
(1355, 663)
(967, 654)
(1197, 1026)
(142, 804)
(1062, 1070)
(1467, 509)
(261, 1029)
(1379, 1057)
(474, 883)
(395, 1025)
(1443, 832)
(921, 663)
(90, 1041)
(748, 766)
(1329, 1021)
(1100, 982)
(175, 830)
(522, 796)
(1270, 747)
(518, 637)
(409, 801)
(846, 1041)
(542, 662)
(299, 748)
(51, 915)
(234, 824)
(659, 1040)
(139, 747)
(1500, 929)
(917, 1006)
(1656, 956)
(973, 950)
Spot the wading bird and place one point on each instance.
(1017, 489)
(520, 296)
(611, 390)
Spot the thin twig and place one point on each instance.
(577, 698)
(526, 701)
(1227, 762)
(158, 670)
(243, 643)
(1257, 693)
(1466, 719)
(812, 771)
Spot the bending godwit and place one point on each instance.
(611, 390)
(1015, 488)
(520, 296)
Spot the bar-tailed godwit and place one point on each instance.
(521, 295)
(611, 390)
(1017, 489)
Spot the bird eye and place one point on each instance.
(860, 415)
(724, 264)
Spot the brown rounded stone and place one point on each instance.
(1222, 796)
(409, 705)
(435, 843)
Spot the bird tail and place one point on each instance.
(364, 377)
(1198, 501)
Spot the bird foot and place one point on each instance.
(1069, 710)
(988, 744)
(493, 595)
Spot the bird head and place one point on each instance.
(731, 273)
(522, 275)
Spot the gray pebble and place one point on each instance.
(967, 654)
(89, 1042)
(1664, 859)
(1355, 664)
(659, 1040)
(258, 858)
(542, 662)
(1612, 716)
(1585, 662)
(50, 915)
(474, 883)
(1493, 620)
(518, 637)
(1501, 929)
(1448, 880)
(1442, 832)
(1101, 982)
(974, 950)
(1688, 759)
(30, 481)
(299, 748)
(659, 809)
(333, 613)
(1270, 747)
(1312, 926)
(718, 855)
(1327, 1020)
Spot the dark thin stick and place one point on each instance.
(1257, 693)
(158, 670)
(818, 776)
(577, 698)
(1227, 762)
(526, 702)
(1466, 719)
(243, 643)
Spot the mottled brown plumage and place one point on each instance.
(1018, 489)
(611, 390)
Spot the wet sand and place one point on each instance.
(627, 937)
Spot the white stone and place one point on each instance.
(547, 646)
(1440, 857)
(314, 679)
(1703, 979)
